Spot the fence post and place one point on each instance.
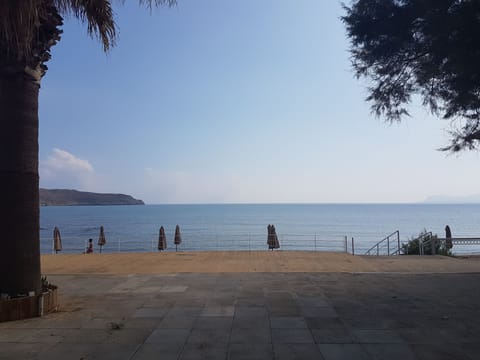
(353, 247)
(249, 247)
(388, 246)
(398, 241)
(315, 239)
(118, 244)
(346, 244)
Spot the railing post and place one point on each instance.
(377, 250)
(388, 246)
(353, 247)
(315, 240)
(398, 241)
(346, 244)
(249, 248)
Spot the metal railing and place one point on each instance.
(390, 245)
(212, 242)
(424, 240)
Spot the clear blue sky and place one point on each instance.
(233, 101)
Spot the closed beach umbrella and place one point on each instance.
(276, 243)
(162, 239)
(448, 237)
(57, 240)
(270, 237)
(101, 239)
(178, 237)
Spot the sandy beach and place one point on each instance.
(255, 261)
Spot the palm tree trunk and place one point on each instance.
(19, 202)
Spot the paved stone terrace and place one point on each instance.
(255, 316)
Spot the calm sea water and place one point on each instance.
(321, 227)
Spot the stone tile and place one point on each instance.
(316, 301)
(251, 300)
(319, 311)
(250, 311)
(292, 336)
(472, 350)
(447, 351)
(172, 289)
(434, 315)
(333, 335)
(150, 312)
(164, 351)
(322, 322)
(85, 336)
(168, 335)
(190, 302)
(185, 311)
(12, 335)
(204, 352)
(177, 322)
(296, 352)
(24, 351)
(213, 322)
(128, 336)
(285, 311)
(343, 352)
(390, 351)
(68, 351)
(250, 336)
(113, 352)
(209, 337)
(251, 323)
(288, 322)
(250, 351)
(137, 323)
(218, 311)
(376, 336)
(367, 320)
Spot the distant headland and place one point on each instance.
(52, 197)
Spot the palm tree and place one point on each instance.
(28, 30)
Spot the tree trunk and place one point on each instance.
(19, 203)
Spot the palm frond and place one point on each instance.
(151, 3)
(20, 19)
(97, 14)
(17, 24)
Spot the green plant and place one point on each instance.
(46, 286)
(412, 247)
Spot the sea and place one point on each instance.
(352, 228)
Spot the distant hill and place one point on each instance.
(74, 197)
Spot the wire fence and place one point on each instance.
(216, 242)
(194, 241)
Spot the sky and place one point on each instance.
(222, 101)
